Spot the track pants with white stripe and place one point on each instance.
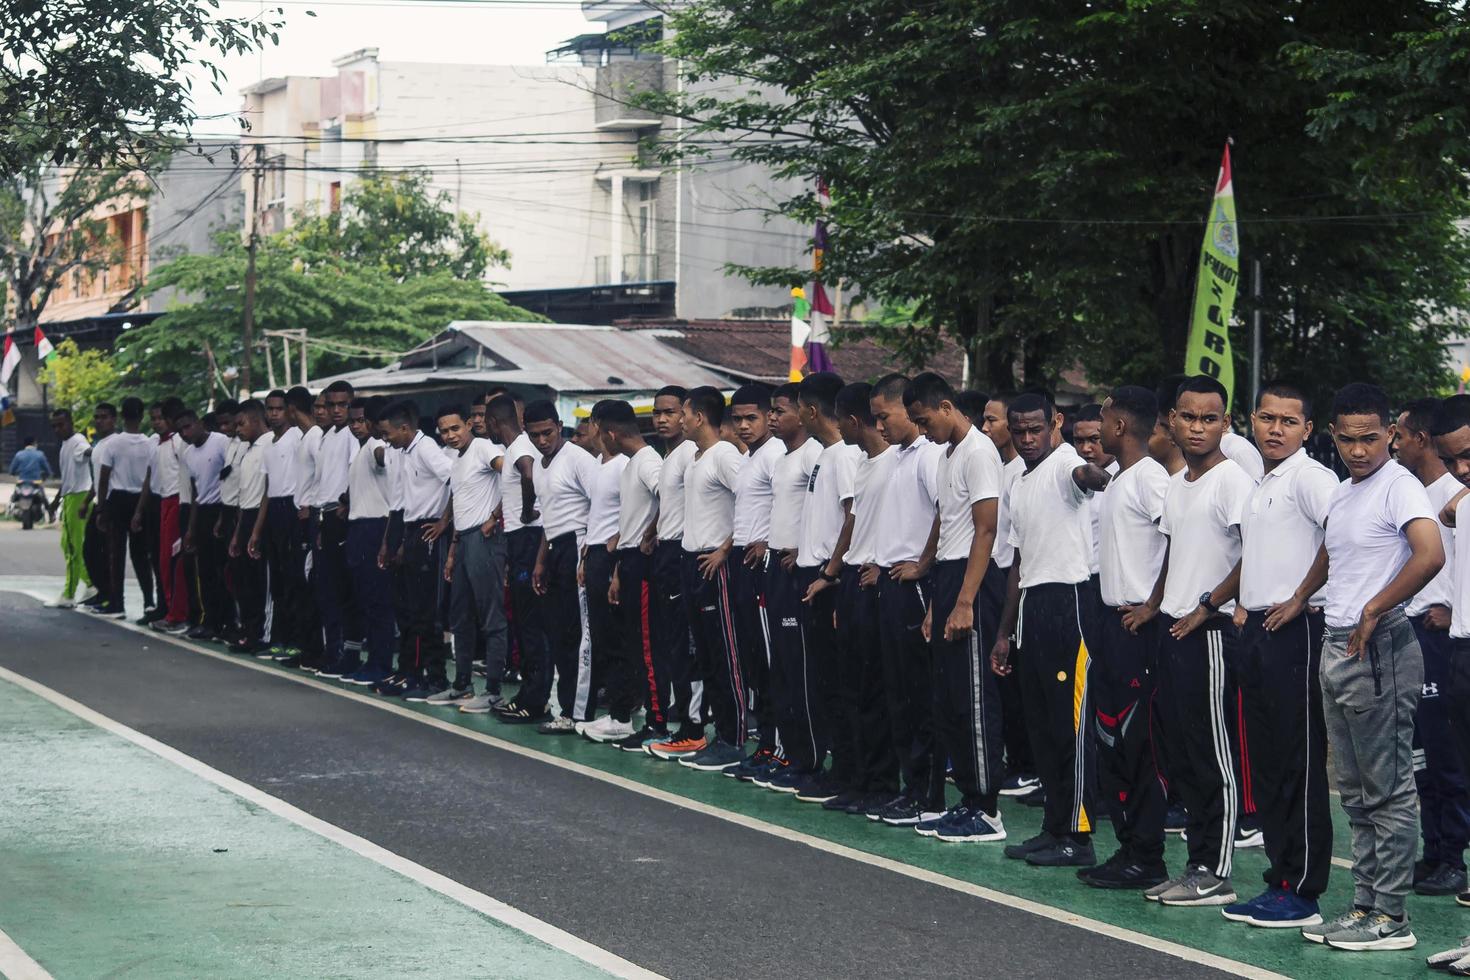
(1120, 684)
(819, 646)
(673, 656)
(1279, 684)
(564, 608)
(748, 586)
(717, 652)
(1195, 681)
(1054, 659)
(966, 703)
(908, 682)
(605, 625)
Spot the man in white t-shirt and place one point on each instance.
(1087, 439)
(247, 559)
(1050, 611)
(76, 485)
(158, 505)
(1451, 428)
(522, 543)
(122, 463)
(749, 415)
(708, 540)
(599, 551)
(1196, 686)
(1277, 664)
(1121, 677)
(966, 701)
(565, 477)
(1444, 804)
(329, 574)
(795, 735)
(1381, 547)
(629, 675)
(904, 556)
(94, 543)
(287, 581)
(203, 459)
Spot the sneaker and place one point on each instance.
(817, 787)
(936, 823)
(843, 800)
(449, 697)
(971, 825)
(1247, 835)
(420, 690)
(1065, 853)
(1121, 872)
(366, 677)
(172, 629)
(1152, 894)
(1459, 968)
(1242, 911)
(1447, 959)
(1286, 910)
(560, 725)
(1019, 785)
(201, 633)
(152, 615)
(788, 780)
(1176, 819)
(482, 705)
(907, 812)
(1376, 930)
(266, 653)
(248, 648)
(341, 667)
(1037, 797)
(679, 746)
(288, 652)
(62, 601)
(635, 742)
(112, 611)
(1199, 886)
(716, 757)
(752, 766)
(89, 594)
(1040, 842)
(392, 685)
(869, 804)
(1347, 920)
(1443, 880)
(605, 729)
(1463, 899)
(775, 772)
(880, 803)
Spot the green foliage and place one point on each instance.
(400, 223)
(98, 81)
(1036, 177)
(79, 379)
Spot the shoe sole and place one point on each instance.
(1203, 901)
(358, 683)
(1118, 886)
(1062, 864)
(813, 799)
(787, 790)
(1246, 917)
(933, 832)
(972, 838)
(1255, 840)
(603, 739)
(707, 766)
(1463, 900)
(474, 711)
(1019, 791)
(668, 756)
(1313, 920)
(1397, 942)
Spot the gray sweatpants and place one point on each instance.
(477, 606)
(1369, 702)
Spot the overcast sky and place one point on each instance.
(492, 33)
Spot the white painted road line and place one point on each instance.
(480, 902)
(1096, 926)
(16, 965)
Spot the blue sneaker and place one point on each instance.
(366, 677)
(1286, 910)
(777, 769)
(788, 780)
(971, 825)
(1242, 911)
(932, 826)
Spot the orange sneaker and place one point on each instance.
(677, 747)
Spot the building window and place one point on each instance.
(335, 196)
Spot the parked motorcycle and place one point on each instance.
(27, 503)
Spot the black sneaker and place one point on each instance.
(420, 690)
(841, 801)
(514, 714)
(1122, 872)
(634, 742)
(1065, 853)
(1176, 819)
(817, 787)
(752, 766)
(906, 812)
(869, 804)
(1019, 784)
(1443, 880)
(112, 610)
(201, 633)
(390, 686)
(1021, 851)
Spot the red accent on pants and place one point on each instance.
(171, 565)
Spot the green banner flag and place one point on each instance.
(1214, 291)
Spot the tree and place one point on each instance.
(53, 225)
(104, 82)
(400, 223)
(79, 379)
(1036, 177)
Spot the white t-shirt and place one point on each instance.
(204, 463)
(968, 473)
(423, 479)
(1094, 510)
(521, 447)
(1245, 454)
(709, 496)
(602, 517)
(869, 486)
(789, 480)
(332, 461)
(130, 454)
(1460, 607)
(1366, 544)
(638, 496)
(307, 451)
(229, 481)
(76, 474)
(1281, 530)
(1051, 523)
(164, 476)
(753, 495)
(475, 483)
(1202, 520)
(671, 491)
(1003, 553)
(1441, 589)
(1130, 544)
(280, 463)
(94, 456)
(250, 488)
(564, 490)
(369, 485)
(909, 503)
(833, 480)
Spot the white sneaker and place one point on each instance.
(605, 729)
(89, 595)
(62, 601)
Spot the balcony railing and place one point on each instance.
(636, 267)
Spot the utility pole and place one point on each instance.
(1256, 292)
(250, 248)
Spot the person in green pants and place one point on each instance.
(76, 484)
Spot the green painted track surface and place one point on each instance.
(116, 863)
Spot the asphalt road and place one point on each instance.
(681, 893)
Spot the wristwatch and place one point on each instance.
(825, 577)
(1204, 600)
